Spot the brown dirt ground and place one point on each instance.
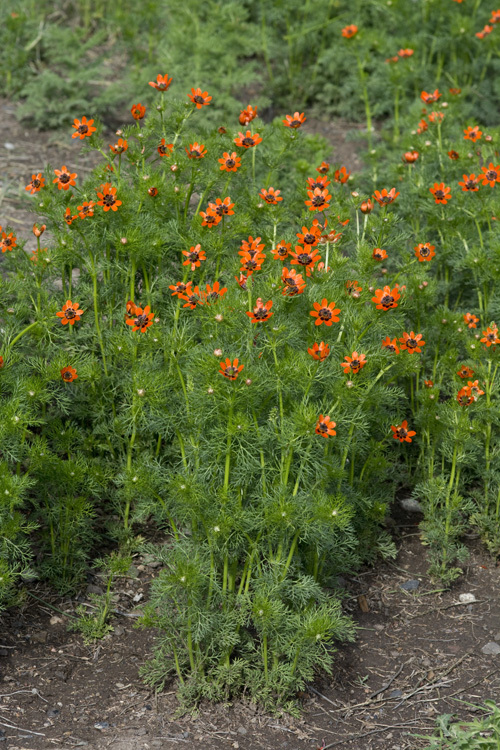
(418, 653)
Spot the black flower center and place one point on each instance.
(401, 433)
(70, 313)
(141, 320)
(318, 200)
(230, 163)
(387, 300)
(491, 175)
(199, 99)
(439, 194)
(325, 313)
(67, 376)
(260, 313)
(411, 343)
(304, 259)
(248, 142)
(82, 129)
(36, 183)
(64, 177)
(108, 200)
(470, 184)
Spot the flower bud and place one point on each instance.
(141, 391)
(219, 317)
(217, 352)
(124, 240)
(210, 391)
(39, 230)
(366, 207)
(248, 381)
(349, 384)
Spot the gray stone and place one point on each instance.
(396, 694)
(410, 585)
(241, 730)
(40, 637)
(101, 725)
(491, 649)
(411, 505)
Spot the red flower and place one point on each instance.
(180, 289)
(83, 129)
(294, 121)
(251, 261)
(294, 283)
(69, 374)
(153, 192)
(210, 218)
(309, 237)
(384, 198)
(353, 288)
(405, 52)
(86, 209)
(318, 199)
(119, 147)
(324, 426)
(429, 98)
(306, 259)
(252, 246)
(107, 198)
(165, 149)
(471, 320)
(422, 126)
(436, 116)
(323, 168)
(230, 162)
(490, 176)
(7, 241)
(484, 31)
(454, 155)
(282, 250)
(386, 298)
(455, 91)
(411, 342)
(341, 175)
(64, 178)
(261, 311)
(379, 254)
(353, 364)
(472, 133)
(402, 433)
(68, 218)
(37, 230)
(248, 140)
(424, 251)
(271, 196)
(196, 150)
(318, 182)
(194, 256)
(441, 193)
(138, 111)
(214, 292)
(390, 345)
(469, 183)
(70, 313)
(222, 207)
(201, 99)
(465, 372)
(325, 312)
(319, 351)
(193, 296)
(367, 206)
(142, 319)
(428, 383)
(475, 390)
(162, 82)
(349, 31)
(230, 371)
(247, 115)
(242, 280)
(464, 396)
(36, 184)
(410, 156)
(490, 336)
(495, 16)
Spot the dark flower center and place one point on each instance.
(195, 153)
(290, 281)
(401, 433)
(304, 259)
(231, 372)
(325, 313)
(491, 175)
(70, 313)
(315, 185)
(355, 364)
(247, 141)
(439, 194)
(411, 343)
(318, 200)
(270, 198)
(230, 163)
(491, 336)
(282, 251)
(141, 320)
(387, 300)
(250, 265)
(108, 200)
(424, 251)
(199, 99)
(260, 313)
(64, 177)
(193, 257)
(68, 376)
(470, 184)
(386, 199)
(82, 129)
(36, 183)
(295, 123)
(323, 427)
(309, 239)
(391, 347)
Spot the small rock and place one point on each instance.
(55, 620)
(395, 694)
(52, 713)
(9, 146)
(378, 626)
(497, 636)
(118, 630)
(101, 725)
(133, 571)
(466, 598)
(92, 589)
(491, 648)
(241, 730)
(411, 505)
(40, 637)
(138, 597)
(410, 585)
(142, 731)
(4, 652)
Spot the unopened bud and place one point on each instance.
(218, 352)
(349, 384)
(248, 381)
(219, 317)
(140, 391)
(124, 240)
(210, 391)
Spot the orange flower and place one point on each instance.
(349, 31)
(484, 31)
(247, 115)
(428, 383)
(441, 193)
(196, 150)
(69, 374)
(138, 111)
(323, 168)
(410, 156)
(130, 309)
(7, 242)
(319, 351)
(282, 250)
(37, 230)
(367, 206)
(68, 218)
(318, 199)
(353, 364)
(229, 162)
(353, 288)
(180, 288)
(120, 147)
(230, 371)
(341, 175)
(318, 182)
(470, 320)
(309, 237)
(200, 98)
(153, 192)
(193, 296)
(64, 178)
(70, 313)
(301, 257)
(386, 298)
(390, 345)
(325, 312)
(293, 282)
(424, 251)
(405, 52)
(194, 256)
(469, 183)
(222, 207)
(251, 261)
(472, 133)
(490, 176)
(411, 342)
(429, 98)
(261, 312)
(142, 319)
(379, 254)
(271, 196)
(108, 198)
(1, 362)
(294, 121)
(165, 149)
(384, 198)
(324, 426)
(252, 246)
(436, 116)
(83, 129)
(422, 126)
(490, 336)
(464, 396)
(402, 433)
(454, 155)
(475, 390)
(214, 292)
(242, 280)
(86, 209)
(455, 91)
(36, 184)
(248, 140)
(162, 82)
(465, 372)
(210, 218)
(495, 16)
